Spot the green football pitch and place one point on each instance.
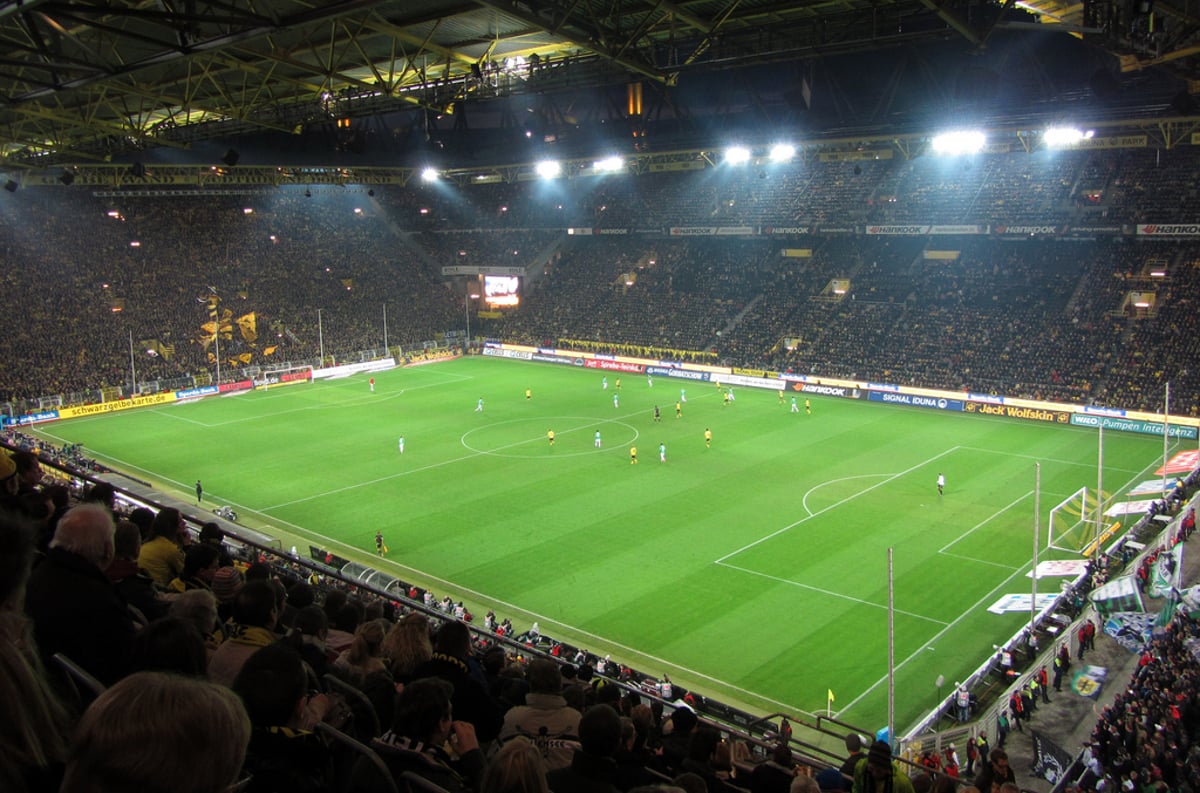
(754, 571)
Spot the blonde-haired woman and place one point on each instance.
(407, 646)
(517, 768)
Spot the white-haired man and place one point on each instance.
(75, 609)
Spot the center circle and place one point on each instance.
(526, 439)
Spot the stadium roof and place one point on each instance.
(87, 81)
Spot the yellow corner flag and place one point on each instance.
(831, 697)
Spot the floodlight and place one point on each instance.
(965, 141)
(782, 152)
(737, 155)
(429, 175)
(609, 164)
(1062, 136)
(548, 169)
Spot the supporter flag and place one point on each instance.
(248, 325)
(270, 350)
(1050, 761)
(245, 358)
(1164, 574)
(348, 283)
(1168, 609)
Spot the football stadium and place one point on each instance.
(789, 409)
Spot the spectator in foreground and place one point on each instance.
(159, 733)
(161, 556)
(34, 729)
(75, 608)
(877, 773)
(545, 718)
(421, 726)
(254, 616)
(517, 768)
(593, 766)
(284, 753)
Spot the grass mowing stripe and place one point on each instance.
(620, 558)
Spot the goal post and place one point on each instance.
(1072, 521)
(283, 375)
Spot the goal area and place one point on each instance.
(1073, 523)
(283, 375)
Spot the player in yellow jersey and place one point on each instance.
(550, 436)
(633, 455)
(707, 438)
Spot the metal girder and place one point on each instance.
(953, 20)
(595, 39)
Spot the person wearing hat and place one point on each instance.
(226, 583)
(877, 773)
(9, 482)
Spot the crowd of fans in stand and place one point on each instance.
(1028, 317)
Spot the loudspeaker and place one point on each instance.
(67, 178)
(11, 186)
(231, 157)
(138, 170)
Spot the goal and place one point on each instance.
(284, 375)
(1072, 522)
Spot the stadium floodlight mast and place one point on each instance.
(429, 175)
(963, 141)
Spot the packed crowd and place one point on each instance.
(113, 289)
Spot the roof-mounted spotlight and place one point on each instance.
(430, 175)
(609, 164)
(548, 169)
(737, 155)
(1064, 136)
(782, 152)
(965, 141)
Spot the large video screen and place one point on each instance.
(501, 290)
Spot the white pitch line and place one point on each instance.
(815, 488)
(989, 596)
(830, 593)
(846, 500)
(984, 522)
(631, 652)
(423, 468)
